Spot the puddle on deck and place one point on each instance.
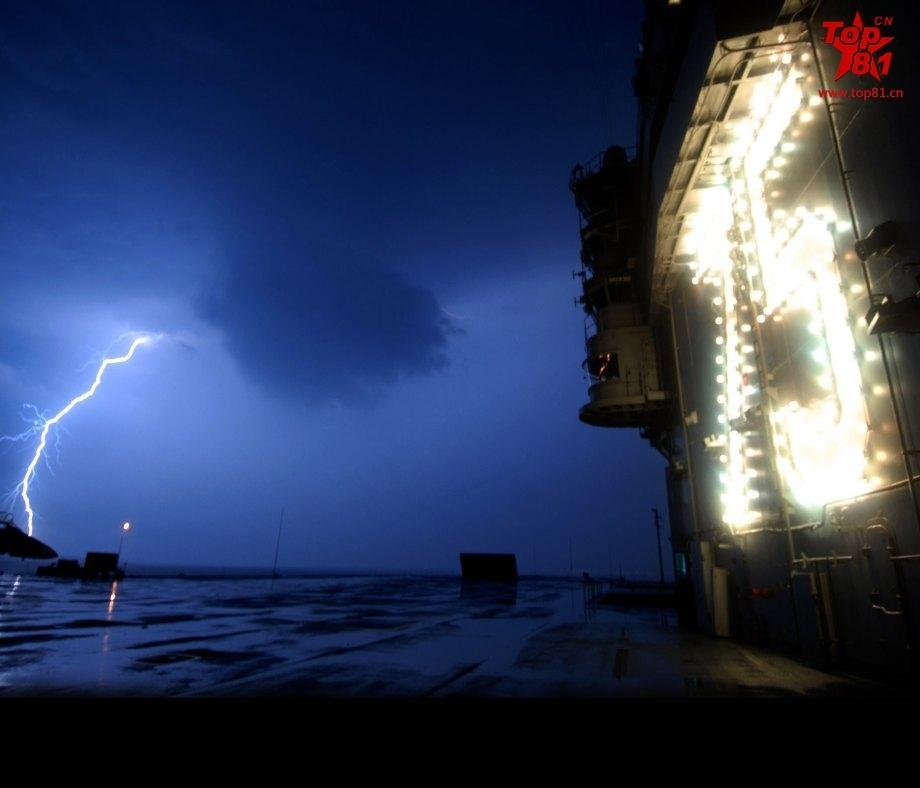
(391, 636)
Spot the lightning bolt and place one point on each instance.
(35, 423)
(47, 424)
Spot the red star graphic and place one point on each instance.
(847, 51)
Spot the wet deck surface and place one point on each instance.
(380, 636)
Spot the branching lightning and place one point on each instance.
(45, 424)
(35, 422)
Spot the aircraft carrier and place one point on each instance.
(750, 282)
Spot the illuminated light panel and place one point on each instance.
(789, 263)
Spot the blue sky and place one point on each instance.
(351, 224)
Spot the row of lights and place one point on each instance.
(786, 268)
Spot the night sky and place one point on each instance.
(351, 223)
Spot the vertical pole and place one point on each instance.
(660, 561)
(277, 545)
(660, 570)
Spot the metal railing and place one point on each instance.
(595, 164)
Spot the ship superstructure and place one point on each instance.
(750, 280)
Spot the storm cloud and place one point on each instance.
(314, 324)
(305, 193)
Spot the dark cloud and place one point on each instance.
(314, 324)
(316, 180)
